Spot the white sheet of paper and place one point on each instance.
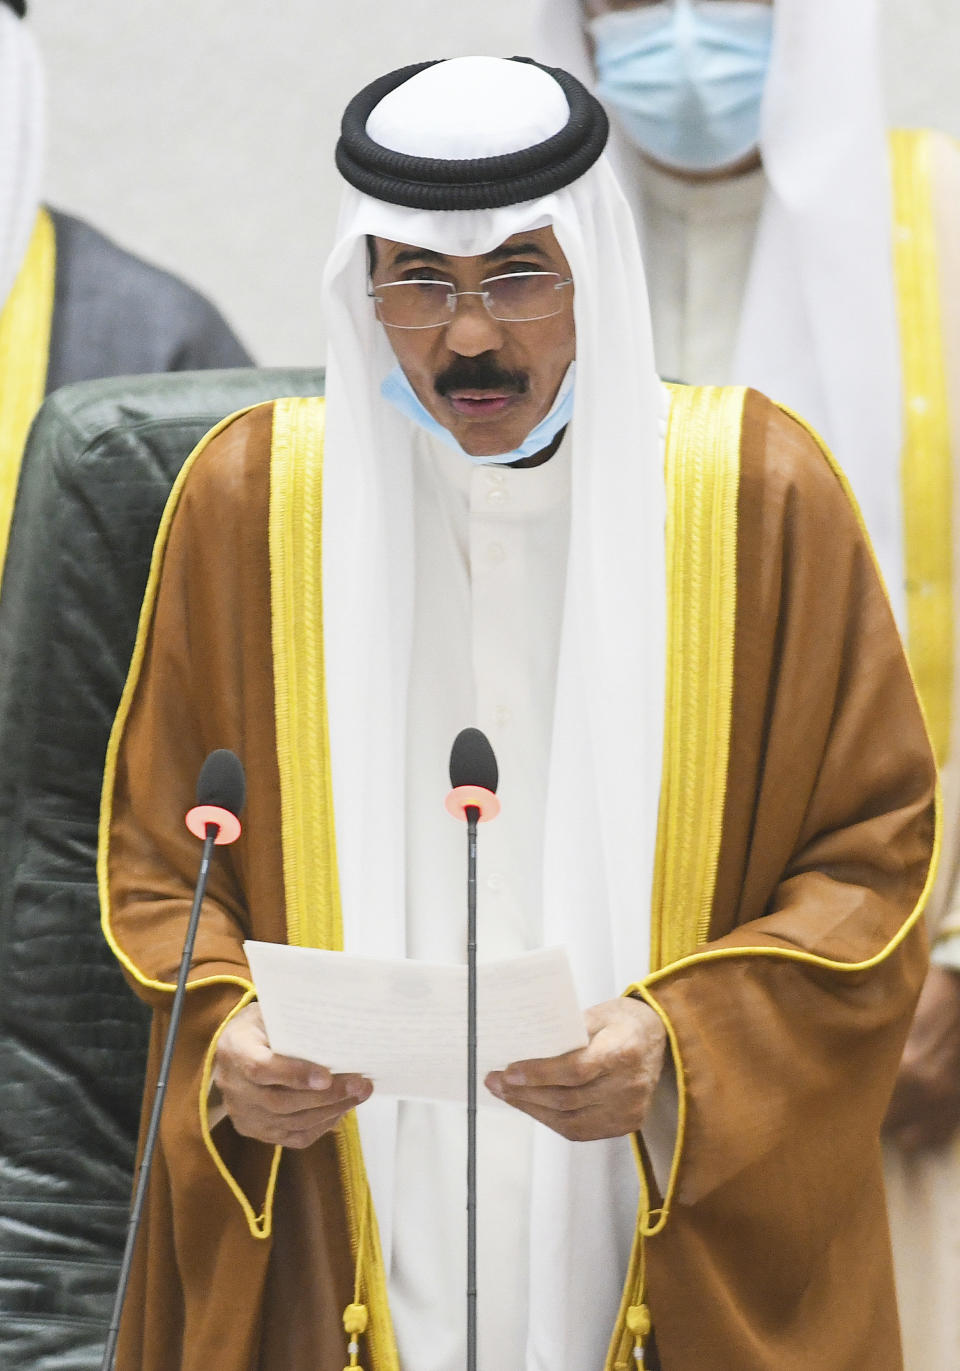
(403, 1023)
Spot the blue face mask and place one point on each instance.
(401, 394)
(686, 80)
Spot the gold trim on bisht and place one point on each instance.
(702, 473)
(25, 325)
(926, 469)
(309, 841)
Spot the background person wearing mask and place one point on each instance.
(789, 244)
(73, 305)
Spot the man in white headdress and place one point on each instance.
(790, 245)
(536, 548)
(73, 305)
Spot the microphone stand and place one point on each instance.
(149, 1147)
(474, 776)
(473, 814)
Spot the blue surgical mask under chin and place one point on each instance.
(400, 393)
(686, 80)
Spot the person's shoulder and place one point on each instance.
(800, 532)
(92, 250)
(231, 466)
(108, 288)
(222, 497)
(779, 450)
(945, 164)
(947, 144)
(240, 447)
(771, 447)
(939, 141)
(795, 500)
(928, 151)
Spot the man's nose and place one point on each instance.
(473, 329)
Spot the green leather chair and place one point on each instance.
(99, 464)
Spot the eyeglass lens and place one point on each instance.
(516, 298)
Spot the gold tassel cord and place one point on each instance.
(638, 1322)
(355, 1324)
(356, 1316)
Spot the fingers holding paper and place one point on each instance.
(275, 1099)
(602, 1090)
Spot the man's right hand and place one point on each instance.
(275, 1099)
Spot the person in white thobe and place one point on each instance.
(734, 256)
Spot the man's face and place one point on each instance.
(487, 381)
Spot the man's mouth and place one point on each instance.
(480, 403)
(479, 387)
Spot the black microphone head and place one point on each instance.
(472, 761)
(222, 782)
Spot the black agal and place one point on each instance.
(436, 183)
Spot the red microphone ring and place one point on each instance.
(466, 797)
(229, 825)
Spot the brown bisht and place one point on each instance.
(797, 830)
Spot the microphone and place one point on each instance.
(474, 777)
(221, 791)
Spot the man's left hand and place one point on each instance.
(602, 1090)
(925, 1110)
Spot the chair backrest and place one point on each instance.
(98, 467)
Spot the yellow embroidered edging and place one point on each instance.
(119, 723)
(25, 325)
(926, 465)
(702, 475)
(309, 843)
(309, 839)
(260, 1225)
(655, 1220)
(703, 482)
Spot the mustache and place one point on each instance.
(480, 373)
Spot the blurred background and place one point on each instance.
(200, 133)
